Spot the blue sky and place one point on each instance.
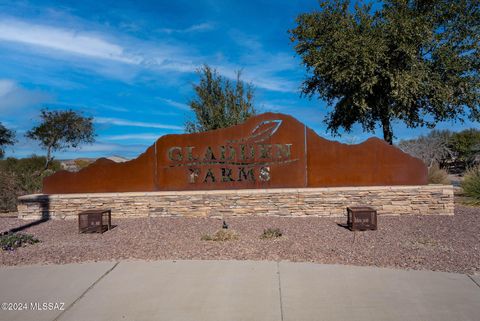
(131, 65)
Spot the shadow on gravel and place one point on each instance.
(96, 232)
(44, 201)
(344, 225)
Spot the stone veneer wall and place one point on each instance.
(388, 200)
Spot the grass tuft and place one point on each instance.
(271, 233)
(471, 185)
(221, 235)
(437, 175)
(12, 241)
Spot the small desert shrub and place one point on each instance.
(82, 163)
(20, 177)
(271, 233)
(221, 235)
(11, 241)
(437, 175)
(9, 191)
(471, 184)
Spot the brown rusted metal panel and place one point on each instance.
(106, 176)
(267, 151)
(373, 162)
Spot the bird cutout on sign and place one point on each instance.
(261, 132)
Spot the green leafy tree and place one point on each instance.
(7, 137)
(466, 145)
(61, 130)
(219, 102)
(408, 60)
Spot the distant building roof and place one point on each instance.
(117, 159)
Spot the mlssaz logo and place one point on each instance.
(246, 160)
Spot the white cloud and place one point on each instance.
(14, 97)
(174, 103)
(125, 122)
(144, 136)
(122, 57)
(114, 108)
(6, 86)
(262, 66)
(95, 46)
(109, 148)
(201, 27)
(260, 76)
(71, 41)
(205, 26)
(273, 83)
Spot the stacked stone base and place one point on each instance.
(388, 200)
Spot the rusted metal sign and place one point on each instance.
(267, 151)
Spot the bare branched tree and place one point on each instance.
(432, 148)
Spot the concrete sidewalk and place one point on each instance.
(233, 290)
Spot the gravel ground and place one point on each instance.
(438, 243)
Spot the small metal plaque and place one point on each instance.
(94, 221)
(361, 218)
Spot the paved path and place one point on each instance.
(235, 290)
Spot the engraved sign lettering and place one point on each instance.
(233, 161)
(245, 160)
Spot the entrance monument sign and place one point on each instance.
(271, 165)
(267, 151)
